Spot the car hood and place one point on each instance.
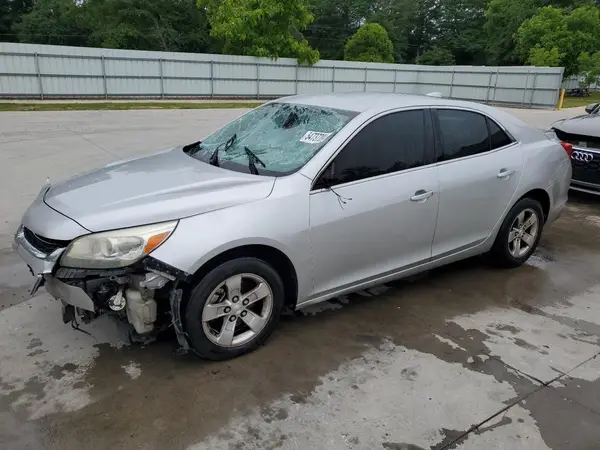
(586, 125)
(165, 186)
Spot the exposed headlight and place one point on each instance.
(117, 248)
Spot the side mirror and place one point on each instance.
(590, 109)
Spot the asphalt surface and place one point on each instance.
(465, 357)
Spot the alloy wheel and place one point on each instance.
(523, 233)
(237, 310)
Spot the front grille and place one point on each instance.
(43, 244)
(586, 171)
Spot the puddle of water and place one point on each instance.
(373, 400)
(44, 362)
(543, 349)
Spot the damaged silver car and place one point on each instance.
(298, 201)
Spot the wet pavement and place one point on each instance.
(463, 357)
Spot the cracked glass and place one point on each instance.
(274, 139)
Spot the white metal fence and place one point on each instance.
(573, 83)
(43, 71)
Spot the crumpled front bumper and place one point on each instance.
(41, 265)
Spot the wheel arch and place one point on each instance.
(273, 256)
(541, 196)
(538, 194)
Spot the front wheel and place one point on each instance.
(234, 309)
(519, 234)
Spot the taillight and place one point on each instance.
(568, 148)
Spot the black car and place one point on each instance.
(583, 132)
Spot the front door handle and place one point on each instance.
(505, 173)
(421, 195)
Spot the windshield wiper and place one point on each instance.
(214, 158)
(252, 160)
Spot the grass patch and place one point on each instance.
(109, 106)
(572, 102)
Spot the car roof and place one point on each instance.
(372, 101)
(369, 104)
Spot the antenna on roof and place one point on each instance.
(435, 94)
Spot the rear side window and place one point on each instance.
(464, 133)
(498, 136)
(389, 144)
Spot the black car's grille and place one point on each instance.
(586, 164)
(586, 171)
(43, 244)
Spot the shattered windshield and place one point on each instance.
(275, 139)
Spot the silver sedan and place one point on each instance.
(298, 201)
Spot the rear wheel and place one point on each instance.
(234, 309)
(519, 234)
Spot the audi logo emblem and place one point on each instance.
(582, 156)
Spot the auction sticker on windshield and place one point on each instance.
(314, 137)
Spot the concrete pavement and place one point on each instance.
(464, 357)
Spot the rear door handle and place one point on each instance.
(421, 195)
(505, 173)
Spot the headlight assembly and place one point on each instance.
(117, 248)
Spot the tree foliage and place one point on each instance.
(503, 18)
(166, 25)
(460, 30)
(335, 22)
(371, 43)
(397, 18)
(590, 69)
(558, 37)
(437, 56)
(11, 12)
(474, 32)
(58, 22)
(268, 28)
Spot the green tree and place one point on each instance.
(424, 29)
(437, 56)
(503, 18)
(11, 12)
(370, 43)
(590, 69)
(58, 22)
(570, 33)
(335, 22)
(396, 16)
(166, 25)
(539, 56)
(268, 28)
(460, 25)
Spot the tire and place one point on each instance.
(203, 335)
(503, 253)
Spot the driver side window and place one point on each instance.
(389, 144)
